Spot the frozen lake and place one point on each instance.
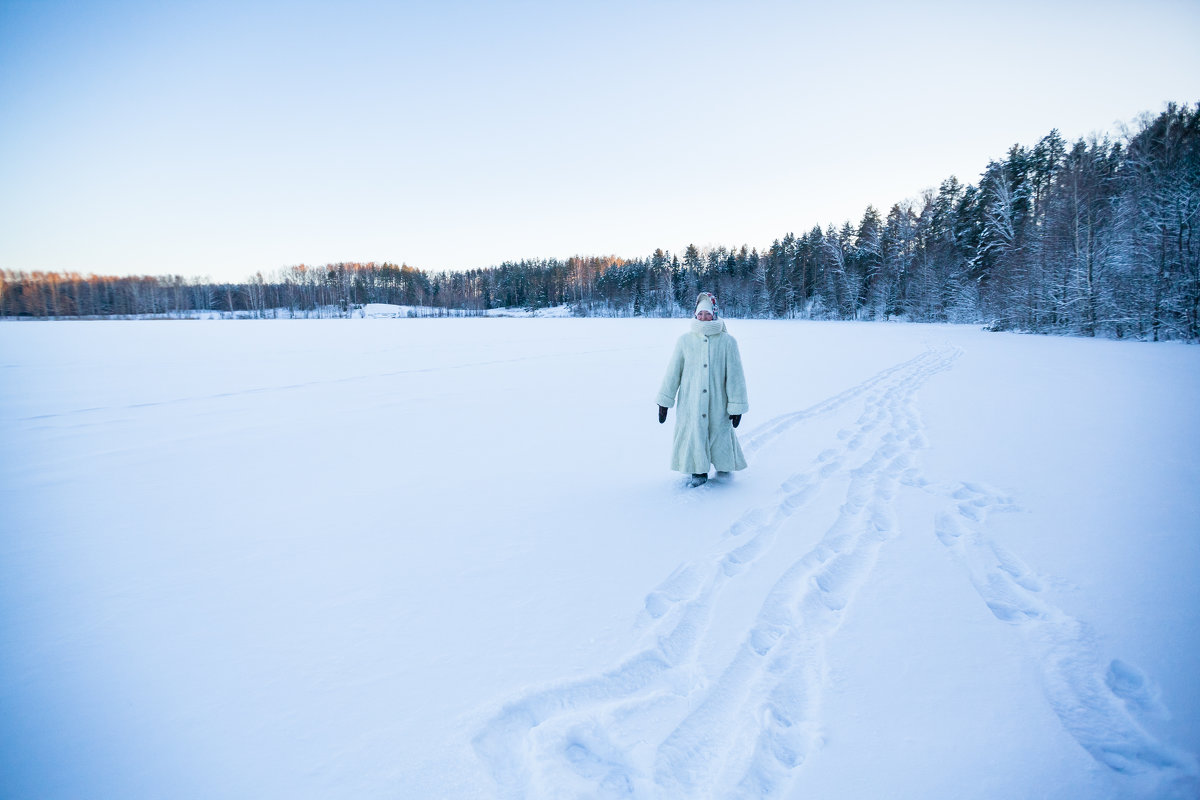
(446, 558)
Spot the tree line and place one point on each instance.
(1093, 237)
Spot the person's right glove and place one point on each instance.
(662, 414)
(736, 419)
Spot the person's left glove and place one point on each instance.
(736, 419)
(662, 414)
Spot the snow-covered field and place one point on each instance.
(384, 558)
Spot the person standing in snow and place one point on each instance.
(706, 373)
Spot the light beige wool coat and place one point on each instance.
(706, 374)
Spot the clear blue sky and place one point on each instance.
(220, 138)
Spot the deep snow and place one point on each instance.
(445, 558)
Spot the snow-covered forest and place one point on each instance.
(1092, 237)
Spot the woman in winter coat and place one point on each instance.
(706, 373)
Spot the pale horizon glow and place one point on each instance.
(222, 139)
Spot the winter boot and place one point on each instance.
(697, 479)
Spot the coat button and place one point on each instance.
(704, 415)
(706, 366)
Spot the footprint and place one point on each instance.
(735, 560)
(899, 464)
(797, 499)
(1013, 566)
(748, 522)
(592, 757)
(797, 481)
(1007, 612)
(681, 584)
(947, 528)
(657, 605)
(972, 512)
(1137, 690)
(764, 637)
(882, 520)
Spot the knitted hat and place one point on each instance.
(706, 302)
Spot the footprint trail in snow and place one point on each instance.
(1098, 703)
(656, 725)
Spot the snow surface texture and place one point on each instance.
(386, 310)
(444, 558)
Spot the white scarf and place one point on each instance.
(710, 328)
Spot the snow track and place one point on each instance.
(347, 379)
(1098, 703)
(655, 725)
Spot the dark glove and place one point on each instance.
(736, 419)
(662, 414)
